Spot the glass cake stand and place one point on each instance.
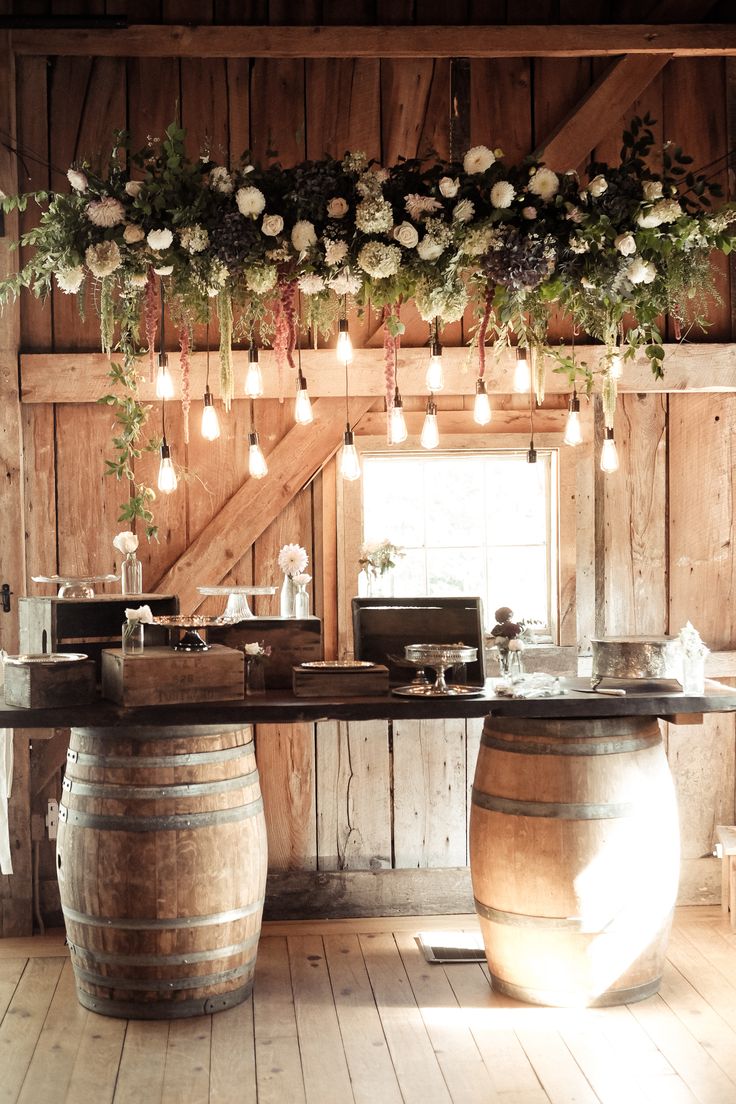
(440, 657)
(237, 608)
(75, 586)
(191, 641)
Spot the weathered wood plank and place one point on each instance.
(286, 764)
(574, 40)
(16, 889)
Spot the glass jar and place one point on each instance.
(131, 574)
(286, 601)
(255, 676)
(380, 584)
(510, 665)
(301, 601)
(132, 637)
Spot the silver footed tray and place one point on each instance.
(440, 657)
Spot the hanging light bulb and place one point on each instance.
(481, 406)
(164, 382)
(430, 436)
(349, 460)
(210, 421)
(573, 433)
(254, 376)
(257, 466)
(399, 431)
(435, 376)
(344, 344)
(616, 367)
(167, 481)
(302, 403)
(609, 456)
(522, 375)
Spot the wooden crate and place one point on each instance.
(345, 682)
(42, 686)
(292, 640)
(161, 676)
(86, 624)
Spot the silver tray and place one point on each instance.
(337, 664)
(46, 658)
(427, 690)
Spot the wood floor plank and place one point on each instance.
(701, 1020)
(187, 1073)
(317, 1024)
(142, 1066)
(691, 1061)
(612, 1079)
(713, 944)
(96, 1066)
(512, 1074)
(278, 1062)
(412, 1053)
(51, 945)
(637, 1052)
(461, 1063)
(366, 1051)
(559, 1073)
(233, 1060)
(22, 1023)
(56, 1050)
(704, 973)
(11, 971)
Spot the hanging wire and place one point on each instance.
(207, 373)
(252, 406)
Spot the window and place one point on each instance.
(471, 523)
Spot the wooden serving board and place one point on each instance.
(319, 682)
(161, 676)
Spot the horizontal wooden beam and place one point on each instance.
(82, 377)
(144, 40)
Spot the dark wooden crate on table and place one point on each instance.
(42, 686)
(162, 676)
(345, 682)
(382, 627)
(293, 640)
(86, 624)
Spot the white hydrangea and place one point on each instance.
(374, 215)
(345, 283)
(194, 239)
(70, 280)
(502, 194)
(311, 284)
(379, 260)
(106, 212)
(544, 183)
(102, 259)
(250, 201)
(479, 241)
(261, 278)
(478, 159)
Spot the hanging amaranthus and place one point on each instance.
(186, 401)
(225, 318)
(482, 331)
(150, 315)
(107, 320)
(609, 394)
(538, 372)
(284, 338)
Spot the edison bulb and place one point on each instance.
(344, 344)
(349, 460)
(573, 433)
(430, 436)
(254, 380)
(522, 375)
(303, 414)
(481, 406)
(435, 380)
(609, 455)
(167, 481)
(210, 421)
(257, 466)
(397, 422)
(164, 382)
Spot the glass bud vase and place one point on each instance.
(380, 584)
(132, 637)
(288, 593)
(255, 677)
(131, 575)
(301, 601)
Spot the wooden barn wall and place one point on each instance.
(364, 798)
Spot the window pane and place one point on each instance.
(454, 496)
(393, 501)
(515, 501)
(455, 571)
(517, 577)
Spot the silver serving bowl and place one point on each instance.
(637, 657)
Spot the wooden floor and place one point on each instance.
(349, 1011)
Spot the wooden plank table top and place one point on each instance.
(279, 706)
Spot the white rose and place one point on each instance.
(625, 243)
(142, 614)
(125, 542)
(449, 187)
(77, 179)
(598, 185)
(159, 239)
(133, 187)
(272, 225)
(337, 207)
(429, 249)
(406, 235)
(133, 234)
(529, 212)
(641, 272)
(544, 183)
(652, 189)
(250, 201)
(502, 194)
(303, 236)
(252, 649)
(478, 159)
(70, 279)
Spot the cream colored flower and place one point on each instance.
(77, 179)
(502, 194)
(138, 280)
(133, 187)
(335, 251)
(70, 280)
(345, 283)
(406, 234)
(311, 284)
(429, 249)
(125, 542)
(463, 211)
(272, 225)
(220, 180)
(133, 233)
(160, 239)
(418, 205)
(626, 244)
(598, 185)
(449, 186)
(106, 212)
(380, 260)
(652, 189)
(163, 270)
(478, 159)
(194, 239)
(544, 183)
(303, 236)
(102, 259)
(142, 615)
(641, 272)
(250, 201)
(337, 207)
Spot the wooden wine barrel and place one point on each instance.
(574, 857)
(161, 860)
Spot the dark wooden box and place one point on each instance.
(86, 624)
(383, 626)
(344, 682)
(41, 686)
(292, 640)
(161, 676)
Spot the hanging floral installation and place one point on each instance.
(512, 242)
